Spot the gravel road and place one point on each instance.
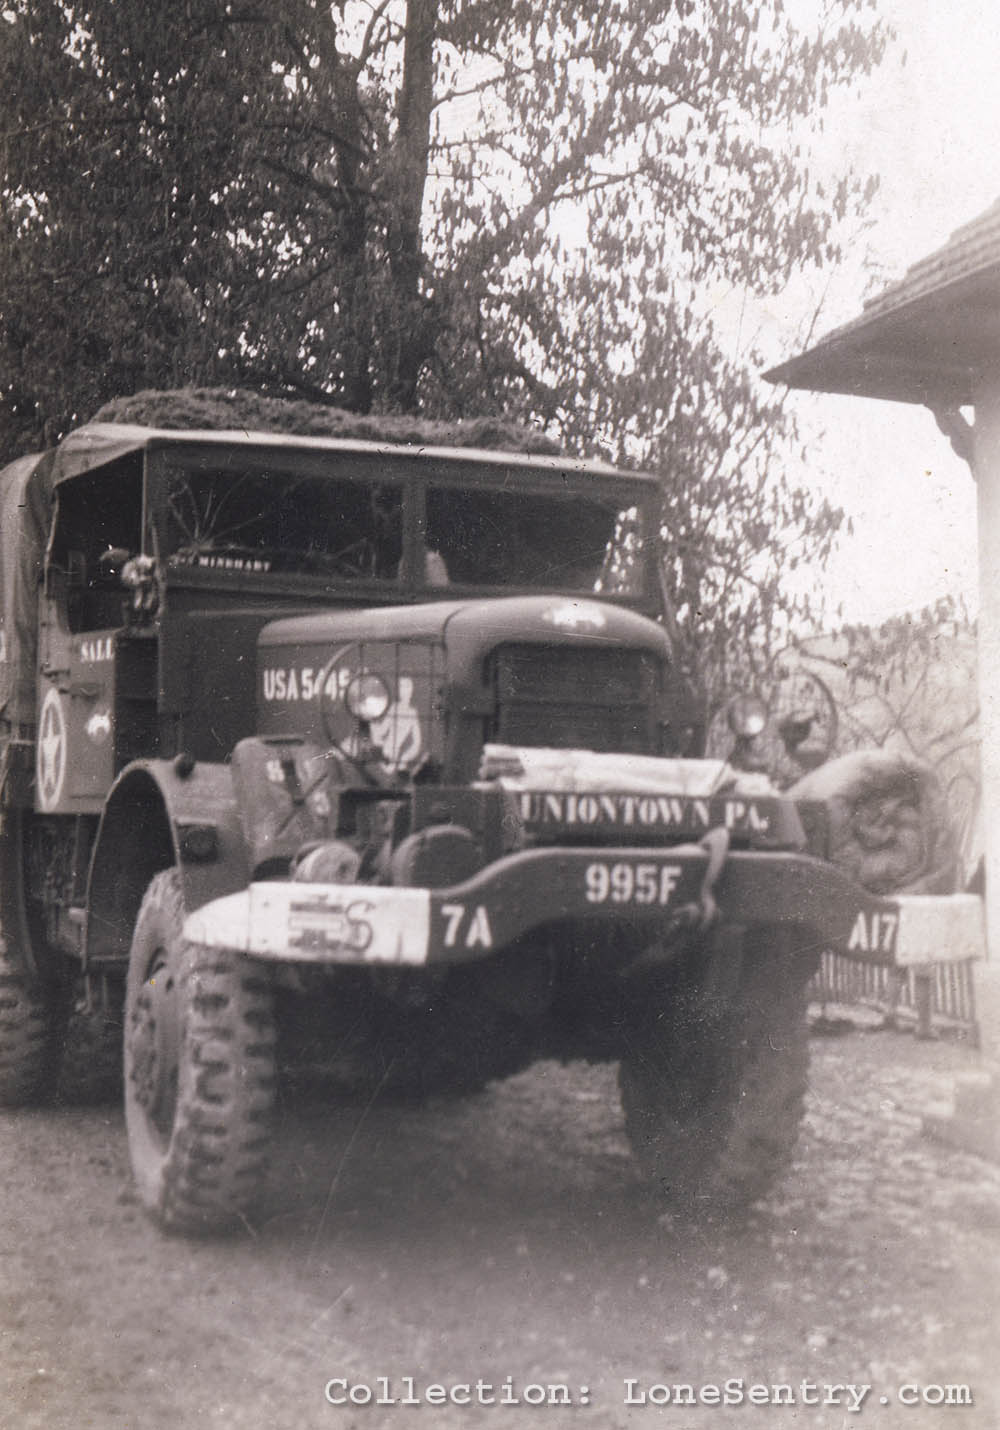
(504, 1242)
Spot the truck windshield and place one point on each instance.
(524, 539)
(259, 521)
(251, 519)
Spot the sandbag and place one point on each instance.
(889, 823)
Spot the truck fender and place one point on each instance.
(160, 814)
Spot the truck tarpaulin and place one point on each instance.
(889, 823)
(25, 491)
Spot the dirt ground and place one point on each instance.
(507, 1237)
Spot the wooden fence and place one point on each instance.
(941, 1000)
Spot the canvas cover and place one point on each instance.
(889, 822)
(101, 442)
(25, 497)
(94, 445)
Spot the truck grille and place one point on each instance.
(570, 697)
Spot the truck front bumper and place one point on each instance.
(653, 889)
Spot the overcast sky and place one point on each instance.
(931, 129)
(928, 123)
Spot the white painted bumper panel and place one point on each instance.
(939, 928)
(318, 923)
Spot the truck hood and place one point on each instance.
(486, 622)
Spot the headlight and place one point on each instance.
(747, 716)
(367, 697)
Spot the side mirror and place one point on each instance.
(110, 563)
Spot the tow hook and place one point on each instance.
(699, 915)
(702, 914)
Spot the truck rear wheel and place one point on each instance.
(26, 1017)
(714, 1100)
(199, 1070)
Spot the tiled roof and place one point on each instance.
(972, 249)
(926, 338)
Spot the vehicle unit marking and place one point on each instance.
(473, 931)
(399, 733)
(624, 882)
(95, 651)
(874, 933)
(321, 923)
(322, 926)
(98, 727)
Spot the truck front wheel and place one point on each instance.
(199, 1070)
(713, 1098)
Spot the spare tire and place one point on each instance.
(889, 826)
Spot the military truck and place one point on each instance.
(329, 754)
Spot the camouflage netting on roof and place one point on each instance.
(221, 409)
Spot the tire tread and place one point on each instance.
(206, 1176)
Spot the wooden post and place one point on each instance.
(986, 468)
(972, 1120)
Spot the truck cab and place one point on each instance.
(169, 553)
(198, 588)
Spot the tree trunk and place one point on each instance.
(410, 173)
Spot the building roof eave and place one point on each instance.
(927, 339)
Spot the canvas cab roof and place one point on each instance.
(100, 443)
